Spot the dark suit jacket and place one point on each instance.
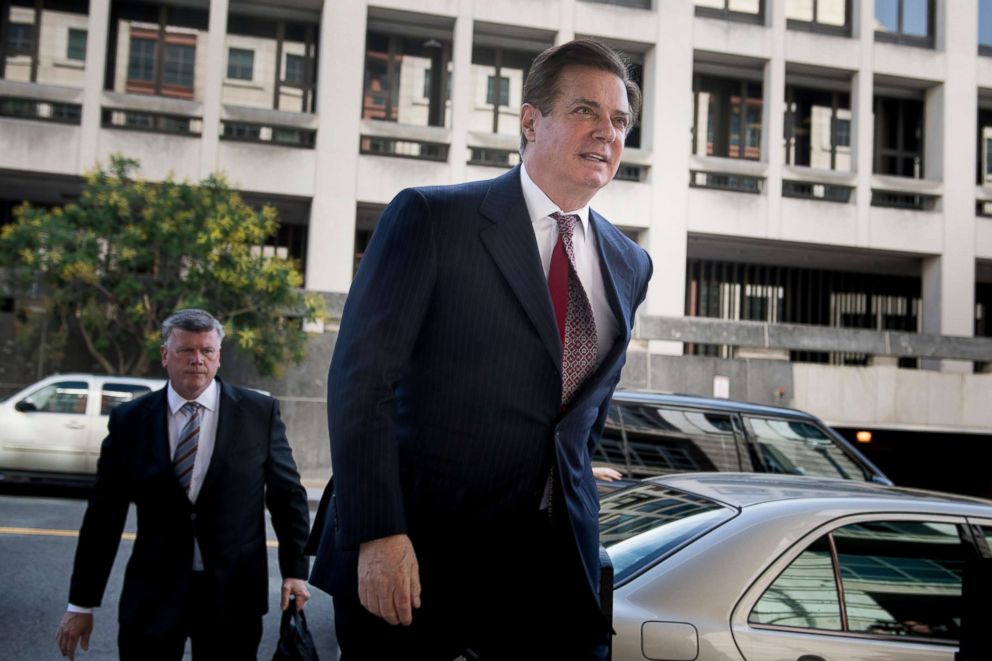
(445, 385)
(252, 465)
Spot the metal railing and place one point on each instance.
(289, 136)
(48, 111)
(497, 158)
(903, 200)
(400, 148)
(815, 191)
(155, 122)
(738, 183)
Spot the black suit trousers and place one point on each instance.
(482, 595)
(212, 634)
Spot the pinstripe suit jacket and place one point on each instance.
(444, 388)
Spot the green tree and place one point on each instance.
(129, 252)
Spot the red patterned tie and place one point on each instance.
(576, 325)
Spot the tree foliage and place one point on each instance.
(129, 252)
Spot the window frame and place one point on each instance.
(728, 14)
(969, 543)
(725, 129)
(790, 121)
(879, 152)
(239, 67)
(903, 39)
(822, 28)
(69, 55)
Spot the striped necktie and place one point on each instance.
(189, 439)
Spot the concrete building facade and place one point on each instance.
(820, 163)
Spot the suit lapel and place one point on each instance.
(156, 419)
(229, 423)
(511, 243)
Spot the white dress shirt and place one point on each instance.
(209, 400)
(587, 266)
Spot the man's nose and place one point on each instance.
(605, 130)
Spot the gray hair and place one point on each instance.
(190, 319)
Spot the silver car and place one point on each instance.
(55, 426)
(762, 567)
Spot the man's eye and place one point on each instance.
(621, 123)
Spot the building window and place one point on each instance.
(905, 22)
(829, 16)
(76, 49)
(240, 64)
(727, 117)
(160, 49)
(141, 60)
(295, 69)
(750, 11)
(20, 38)
(396, 72)
(899, 137)
(985, 146)
(985, 27)
(178, 70)
(286, 54)
(504, 91)
(496, 105)
(817, 128)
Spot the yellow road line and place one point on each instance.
(49, 532)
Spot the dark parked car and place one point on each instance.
(650, 434)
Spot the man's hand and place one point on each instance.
(74, 627)
(296, 587)
(389, 578)
(605, 474)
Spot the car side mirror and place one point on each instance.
(24, 406)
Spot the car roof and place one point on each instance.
(743, 490)
(698, 401)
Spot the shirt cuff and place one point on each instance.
(73, 608)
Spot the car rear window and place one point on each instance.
(800, 448)
(641, 525)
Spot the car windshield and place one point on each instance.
(641, 525)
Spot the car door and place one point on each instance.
(49, 429)
(872, 588)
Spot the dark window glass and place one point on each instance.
(804, 595)
(295, 69)
(641, 525)
(179, 61)
(902, 578)
(644, 439)
(899, 137)
(240, 64)
(399, 76)
(118, 393)
(141, 60)
(20, 38)
(504, 91)
(61, 397)
(800, 448)
(77, 45)
(817, 128)
(728, 118)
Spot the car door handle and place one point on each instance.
(75, 425)
(810, 657)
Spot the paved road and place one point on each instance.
(37, 543)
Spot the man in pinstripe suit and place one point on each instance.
(480, 344)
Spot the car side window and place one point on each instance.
(61, 397)
(651, 440)
(118, 393)
(902, 578)
(899, 579)
(800, 448)
(804, 595)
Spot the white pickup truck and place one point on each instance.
(55, 426)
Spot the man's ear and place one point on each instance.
(528, 121)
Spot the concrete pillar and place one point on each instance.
(773, 117)
(667, 129)
(566, 26)
(216, 62)
(461, 96)
(96, 59)
(331, 239)
(862, 116)
(949, 284)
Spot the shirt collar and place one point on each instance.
(540, 206)
(207, 398)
